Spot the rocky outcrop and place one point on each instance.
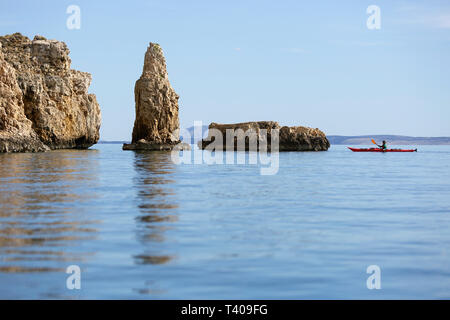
(303, 139)
(157, 125)
(16, 132)
(44, 104)
(241, 135)
(256, 135)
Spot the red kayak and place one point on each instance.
(381, 150)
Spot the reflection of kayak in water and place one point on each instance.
(381, 150)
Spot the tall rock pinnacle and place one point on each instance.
(157, 125)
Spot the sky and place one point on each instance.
(310, 63)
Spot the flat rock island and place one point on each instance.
(240, 136)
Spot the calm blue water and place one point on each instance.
(142, 227)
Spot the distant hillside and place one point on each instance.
(390, 139)
(204, 131)
(347, 140)
(112, 142)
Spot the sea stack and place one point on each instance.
(43, 103)
(157, 124)
(296, 138)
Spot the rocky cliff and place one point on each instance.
(157, 125)
(43, 103)
(245, 134)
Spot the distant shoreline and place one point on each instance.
(362, 140)
(112, 142)
(390, 139)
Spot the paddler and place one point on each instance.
(383, 145)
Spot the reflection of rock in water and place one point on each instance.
(41, 221)
(157, 204)
(148, 259)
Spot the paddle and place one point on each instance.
(373, 141)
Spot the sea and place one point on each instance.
(110, 224)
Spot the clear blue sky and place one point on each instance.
(310, 63)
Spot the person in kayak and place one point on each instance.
(383, 145)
